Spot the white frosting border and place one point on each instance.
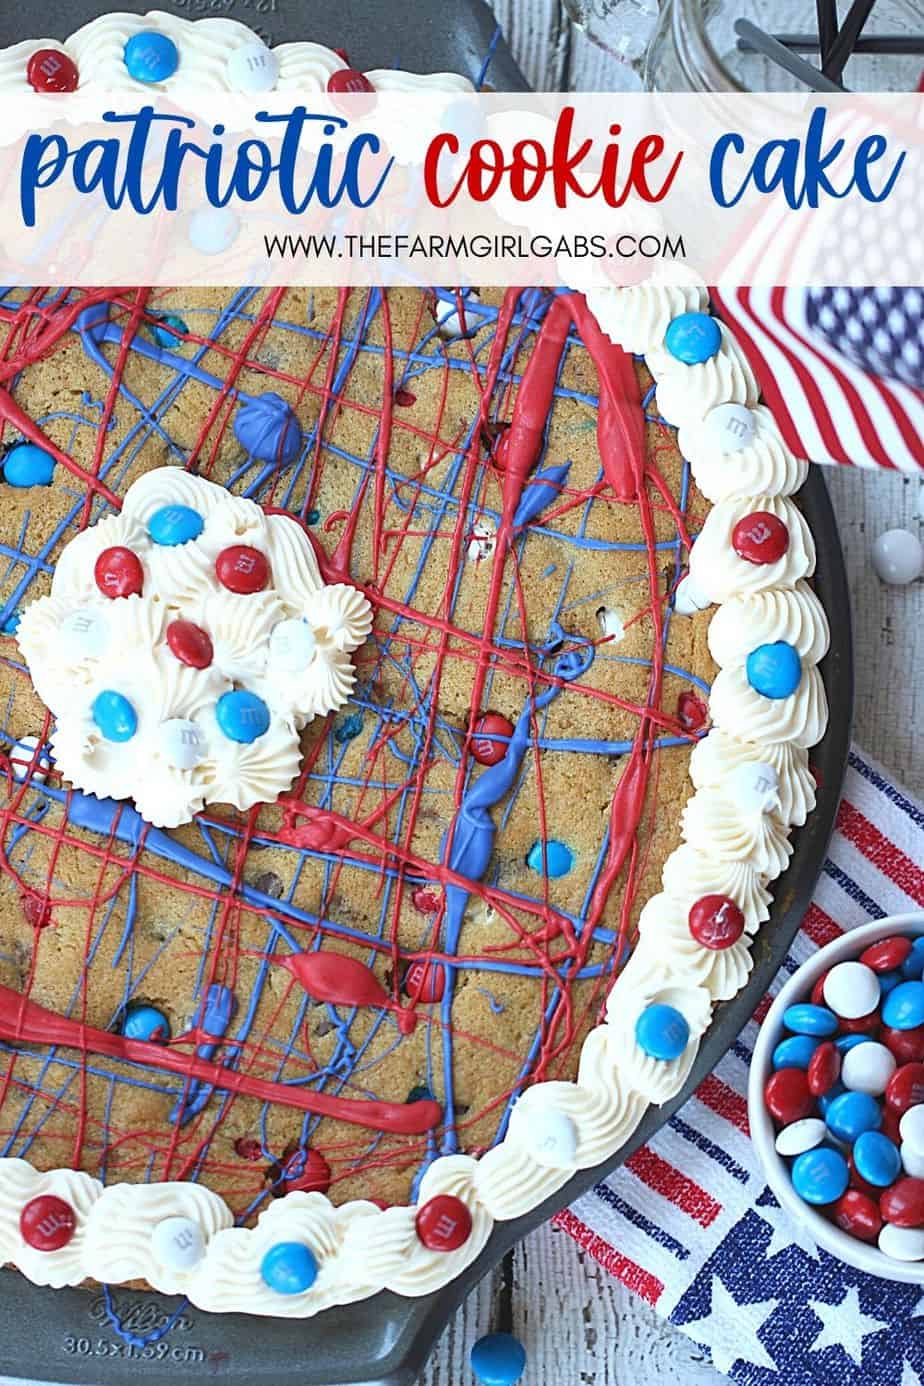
(571, 1125)
(205, 45)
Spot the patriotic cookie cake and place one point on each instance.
(407, 698)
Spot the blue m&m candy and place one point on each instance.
(851, 1113)
(804, 1018)
(242, 716)
(888, 981)
(826, 1098)
(662, 1031)
(903, 1008)
(913, 966)
(28, 465)
(267, 428)
(774, 670)
(556, 861)
(877, 1159)
(175, 524)
(821, 1175)
(795, 1051)
(150, 56)
(114, 715)
(847, 1042)
(693, 338)
(289, 1268)
(146, 1023)
(498, 1359)
(168, 330)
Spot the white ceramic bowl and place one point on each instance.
(856, 1253)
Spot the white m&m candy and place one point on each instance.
(253, 67)
(22, 757)
(183, 742)
(912, 1160)
(84, 634)
(898, 556)
(754, 788)
(730, 427)
(851, 989)
(688, 599)
(911, 1128)
(178, 1244)
(800, 1136)
(867, 1068)
(291, 647)
(902, 1243)
(553, 1138)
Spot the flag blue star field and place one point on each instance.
(841, 368)
(689, 1223)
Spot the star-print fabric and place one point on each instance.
(385, 957)
(690, 1224)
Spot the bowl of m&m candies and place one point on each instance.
(836, 1097)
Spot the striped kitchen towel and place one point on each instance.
(689, 1222)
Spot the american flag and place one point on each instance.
(841, 368)
(689, 1224)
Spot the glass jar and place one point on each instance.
(695, 47)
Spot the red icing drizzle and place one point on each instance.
(550, 942)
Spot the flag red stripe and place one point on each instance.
(736, 313)
(884, 855)
(819, 926)
(724, 1101)
(648, 1286)
(682, 1191)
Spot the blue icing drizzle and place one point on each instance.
(436, 500)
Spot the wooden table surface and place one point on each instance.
(578, 1324)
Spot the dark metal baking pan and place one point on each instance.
(62, 1335)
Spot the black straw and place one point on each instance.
(827, 26)
(852, 27)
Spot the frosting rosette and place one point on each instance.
(763, 467)
(234, 644)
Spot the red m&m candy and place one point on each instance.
(242, 569)
(886, 955)
(906, 1045)
(50, 70)
(692, 712)
(905, 1088)
(818, 990)
(190, 643)
(485, 748)
(305, 1171)
(903, 1203)
(858, 1214)
(346, 79)
(443, 1223)
(716, 921)
(787, 1095)
(425, 981)
(47, 1223)
(118, 573)
(824, 1069)
(760, 537)
(861, 1024)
